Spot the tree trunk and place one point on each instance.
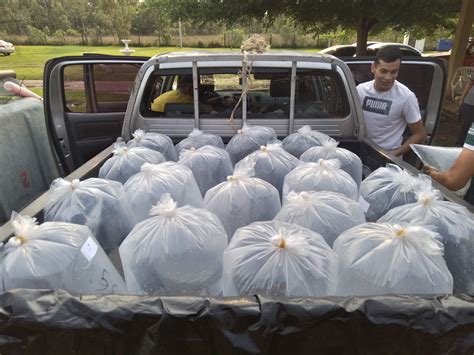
(364, 25)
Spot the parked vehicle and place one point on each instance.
(372, 49)
(6, 48)
(91, 100)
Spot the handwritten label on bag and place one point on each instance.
(89, 249)
(363, 204)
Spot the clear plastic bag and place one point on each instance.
(325, 175)
(247, 140)
(241, 200)
(178, 251)
(270, 163)
(441, 158)
(127, 162)
(453, 222)
(299, 142)
(279, 260)
(197, 139)
(210, 165)
(350, 162)
(389, 187)
(56, 255)
(99, 204)
(326, 213)
(156, 141)
(382, 259)
(145, 189)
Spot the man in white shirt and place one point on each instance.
(389, 106)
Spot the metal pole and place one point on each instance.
(291, 124)
(196, 95)
(180, 34)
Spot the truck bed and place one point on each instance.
(31, 320)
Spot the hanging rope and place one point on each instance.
(255, 44)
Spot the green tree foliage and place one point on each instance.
(92, 19)
(319, 16)
(153, 17)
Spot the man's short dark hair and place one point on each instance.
(388, 54)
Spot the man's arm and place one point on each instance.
(457, 175)
(418, 135)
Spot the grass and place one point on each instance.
(28, 61)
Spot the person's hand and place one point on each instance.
(429, 170)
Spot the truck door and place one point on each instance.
(85, 99)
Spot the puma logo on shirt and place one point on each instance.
(373, 104)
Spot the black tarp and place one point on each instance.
(54, 322)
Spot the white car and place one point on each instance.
(349, 50)
(6, 48)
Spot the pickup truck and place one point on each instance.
(92, 100)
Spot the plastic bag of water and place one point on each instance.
(381, 259)
(56, 255)
(177, 251)
(279, 260)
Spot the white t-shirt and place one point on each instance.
(387, 113)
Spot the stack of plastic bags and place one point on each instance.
(127, 162)
(279, 260)
(389, 187)
(329, 149)
(144, 189)
(454, 223)
(56, 255)
(210, 165)
(156, 141)
(326, 213)
(197, 139)
(381, 259)
(297, 143)
(241, 200)
(325, 175)
(249, 139)
(270, 163)
(178, 251)
(98, 204)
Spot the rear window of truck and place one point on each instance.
(318, 94)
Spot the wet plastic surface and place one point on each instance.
(53, 322)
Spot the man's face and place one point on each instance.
(385, 74)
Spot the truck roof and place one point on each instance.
(279, 55)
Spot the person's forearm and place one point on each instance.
(447, 179)
(458, 174)
(405, 147)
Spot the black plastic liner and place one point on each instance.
(54, 322)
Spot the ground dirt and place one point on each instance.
(449, 124)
